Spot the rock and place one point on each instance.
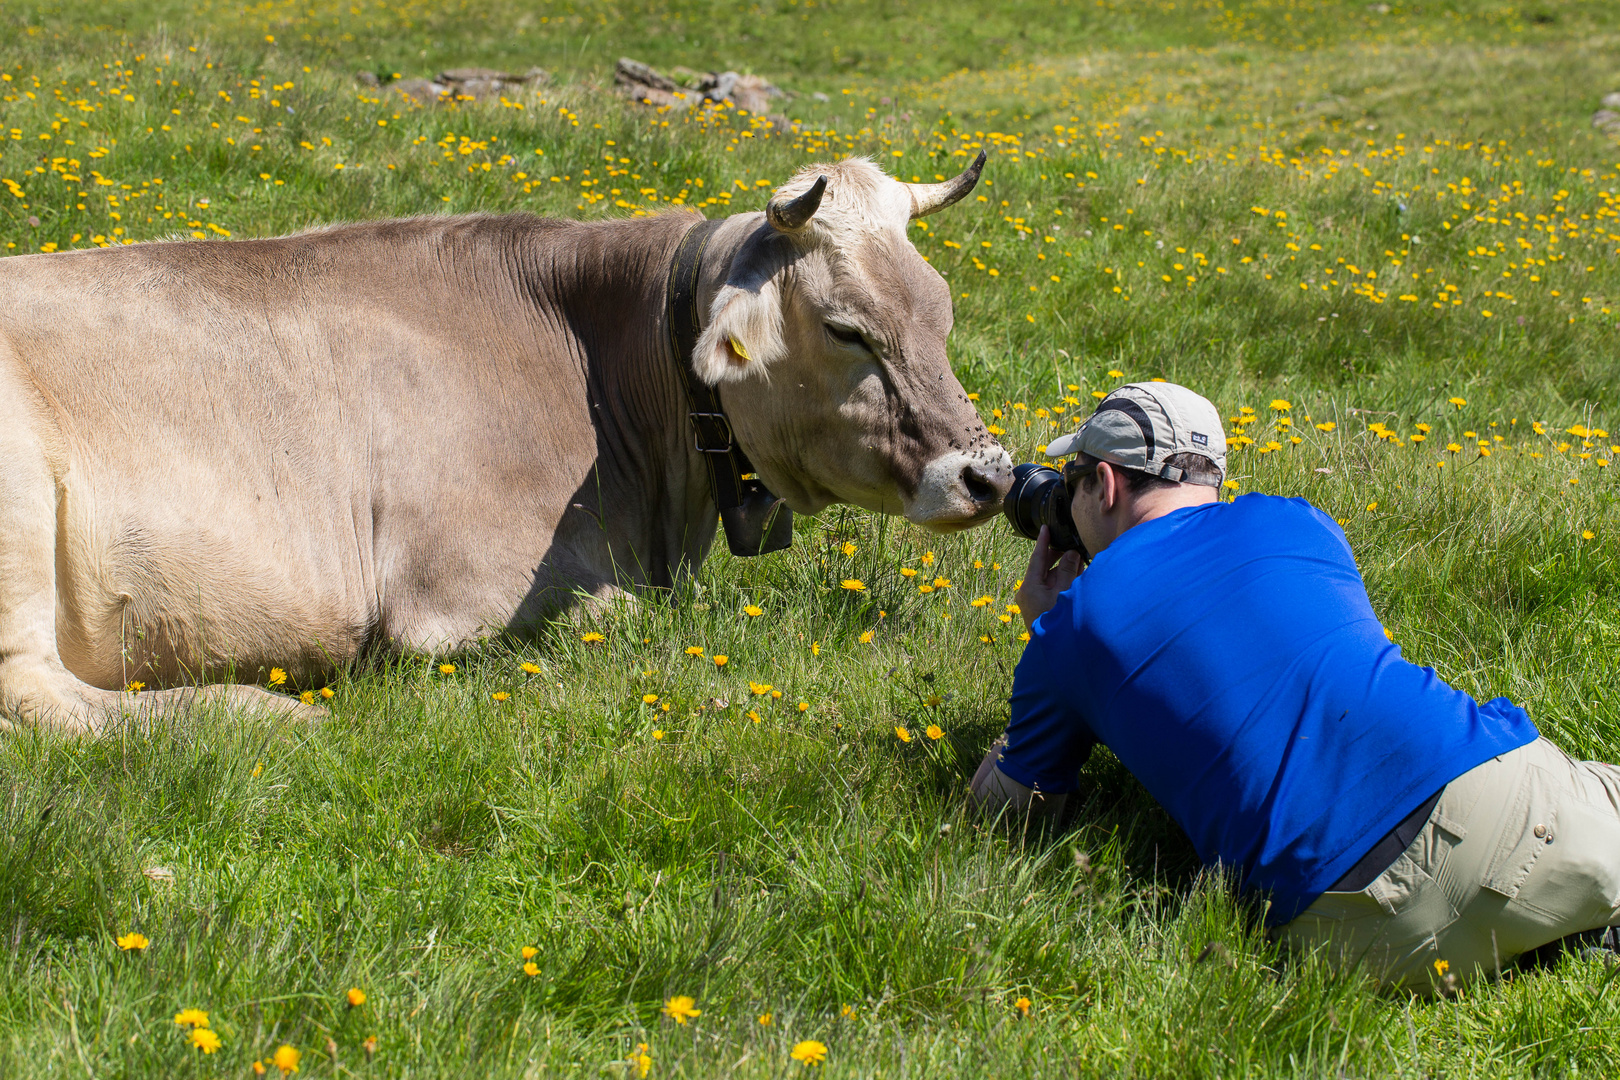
(459, 84)
(1607, 121)
(1611, 101)
(643, 83)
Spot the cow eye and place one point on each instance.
(848, 335)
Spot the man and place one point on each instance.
(1229, 657)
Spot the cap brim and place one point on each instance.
(1063, 445)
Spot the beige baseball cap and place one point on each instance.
(1139, 425)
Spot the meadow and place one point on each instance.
(1382, 238)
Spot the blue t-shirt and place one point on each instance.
(1229, 657)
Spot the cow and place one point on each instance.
(223, 457)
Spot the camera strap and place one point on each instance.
(755, 520)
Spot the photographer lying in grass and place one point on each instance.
(1412, 828)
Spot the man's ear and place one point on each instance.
(744, 335)
(1113, 485)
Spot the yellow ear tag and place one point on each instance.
(736, 347)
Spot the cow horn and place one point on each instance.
(792, 215)
(926, 198)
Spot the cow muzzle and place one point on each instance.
(959, 490)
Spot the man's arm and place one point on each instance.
(993, 790)
(1046, 579)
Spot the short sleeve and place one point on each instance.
(1047, 740)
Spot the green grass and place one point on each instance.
(811, 861)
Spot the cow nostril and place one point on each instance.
(980, 487)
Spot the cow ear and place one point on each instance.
(744, 335)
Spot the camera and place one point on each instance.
(1039, 496)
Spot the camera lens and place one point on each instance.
(1039, 496)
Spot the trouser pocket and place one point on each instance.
(1557, 862)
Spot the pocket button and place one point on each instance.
(1540, 831)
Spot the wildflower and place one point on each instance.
(720, 659)
(191, 1018)
(658, 734)
(307, 697)
(928, 558)
(1372, 506)
(942, 583)
(531, 969)
(328, 693)
(765, 1019)
(753, 612)
(754, 716)
(1326, 425)
(258, 1068)
(680, 1009)
(809, 1052)
(934, 732)
(694, 650)
(591, 638)
(853, 584)
(848, 548)
(132, 941)
(866, 636)
(529, 952)
(356, 997)
(1389, 635)
(1454, 448)
(277, 676)
(902, 734)
(759, 689)
(641, 1060)
(286, 1059)
(499, 696)
(258, 769)
(1022, 1005)
(649, 699)
(135, 687)
(1457, 401)
(1114, 373)
(815, 648)
(369, 1046)
(1279, 405)
(907, 572)
(1441, 967)
(1587, 534)
(529, 669)
(447, 669)
(204, 1040)
(847, 1012)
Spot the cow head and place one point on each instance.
(827, 336)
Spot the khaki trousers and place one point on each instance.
(1523, 850)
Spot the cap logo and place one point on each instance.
(1200, 439)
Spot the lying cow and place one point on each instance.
(229, 456)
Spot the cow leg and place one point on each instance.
(35, 686)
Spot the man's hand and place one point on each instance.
(1043, 581)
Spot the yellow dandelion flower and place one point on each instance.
(135, 687)
(902, 734)
(754, 716)
(658, 734)
(1115, 373)
(1456, 401)
(1326, 425)
(1279, 405)
(592, 638)
(258, 1068)
(447, 669)
(759, 689)
(132, 942)
(804, 706)
(720, 659)
(1389, 634)
(681, 1009)
(258, 769)
(753, 612)
(277, 676)
(848, 548)
(641, 1061)
(1022, 1005)
(286, 1059)
(531, 969)
(928, 558)
(499, 696)
(328, 693)
(529, 669)
(866, 636)
(815, 648)
(764, 1019)
(1587, 534)
(694, 650)
(307, 697)
(1441, 967)
(356, 997)
(529, 952)
(649, 699)
(853, 584)
(907, 572)
(809, 1052)
(204, 1040)
(1453, 448)
(935, 732)
(191, 1018)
